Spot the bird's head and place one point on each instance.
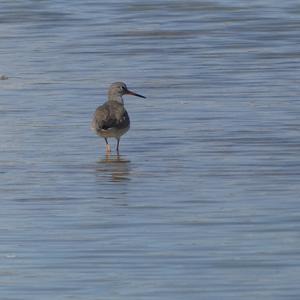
(118, 89)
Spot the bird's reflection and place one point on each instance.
(114, 166)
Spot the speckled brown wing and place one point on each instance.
(110, 115)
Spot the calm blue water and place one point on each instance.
(204, 201)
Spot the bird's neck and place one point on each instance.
(116, 98)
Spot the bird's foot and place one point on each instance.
(107, 147)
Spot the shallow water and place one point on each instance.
(203, 201)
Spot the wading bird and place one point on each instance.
(111, 119)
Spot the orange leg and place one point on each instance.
(107, 147)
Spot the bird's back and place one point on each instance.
(110, 117)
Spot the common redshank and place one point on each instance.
(111, 119)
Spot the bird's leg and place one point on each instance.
(107, 147)
(118, 143)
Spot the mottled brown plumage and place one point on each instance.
(111, 119)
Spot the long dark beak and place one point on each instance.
(134, 94)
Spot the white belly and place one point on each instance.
(113, 132)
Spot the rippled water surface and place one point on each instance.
(204, 200)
